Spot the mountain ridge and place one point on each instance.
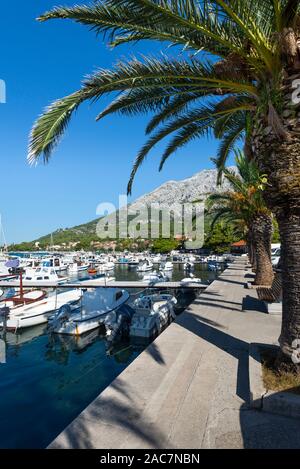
(198, 186)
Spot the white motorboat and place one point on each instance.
(156, 259)
(133, 261)
(152, 314)
(42, 276)
(37, 312)
(56, 263)
(76, 267)
(108, 266)
(155, 277)
(190, 280)
(95, 305)
(145, 266)
(167, 266)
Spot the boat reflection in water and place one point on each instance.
(55, 376)
(22, 337)
(61, 346)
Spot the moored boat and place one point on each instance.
(145, 266)
(37, 312)
(167, 266)
(154, 277)
(42, 276)
(152, 314)
(95, 305)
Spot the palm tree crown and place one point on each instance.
(244, 201)
(235, 54)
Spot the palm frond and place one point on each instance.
(49, 128)
(179, 22)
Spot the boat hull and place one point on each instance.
(38, 313)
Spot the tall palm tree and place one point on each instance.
(244, 207)
(247, 76)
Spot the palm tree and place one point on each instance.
(245, 82)
(243, 206)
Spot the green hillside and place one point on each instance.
(84, 233)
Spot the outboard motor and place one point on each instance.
(4, 313)
(117, 323)
(62, 315)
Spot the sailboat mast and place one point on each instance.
(2, 235)
(21, 286)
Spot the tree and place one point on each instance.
(220, 238)
(247, 87)
(244, 205)
(164, 246)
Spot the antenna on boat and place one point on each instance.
(81, 298)
(2, 235)
(21, 286)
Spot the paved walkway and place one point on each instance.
(190, 388)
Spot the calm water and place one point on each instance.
(47, 381)
(123, 272)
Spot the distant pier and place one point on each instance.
(107, 284)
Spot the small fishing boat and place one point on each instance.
(23, 298)
(42, 276)
(56, 263)
(36, 311)
(13, 300)
(95, 305)
(152, 314)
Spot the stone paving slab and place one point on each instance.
(190, 387)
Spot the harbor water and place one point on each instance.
(47, 380)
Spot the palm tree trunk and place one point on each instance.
(262, 228)
(289, 226)
(251, 250)
(279, 158)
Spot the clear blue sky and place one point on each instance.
(44, 61)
